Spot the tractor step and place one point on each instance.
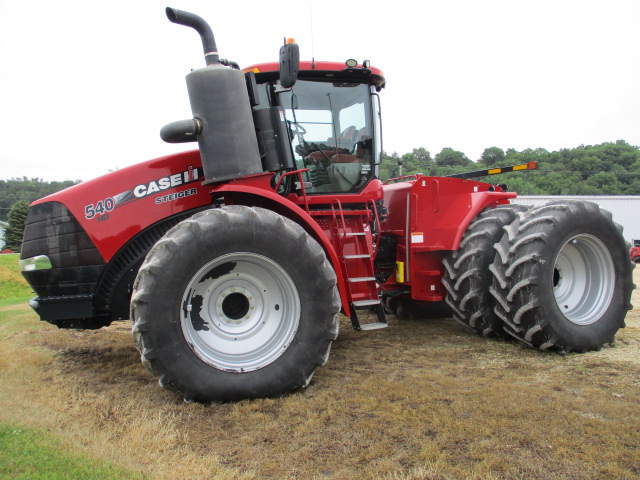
(373, 326)
(361, 304)
(365, 303)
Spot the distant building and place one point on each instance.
(624, 208)
(3, 227)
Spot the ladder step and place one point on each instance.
(358, 256)
(361, 279)
(382, 319)
(373, 326)
(366, 303)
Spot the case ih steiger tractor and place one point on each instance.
(233, 261)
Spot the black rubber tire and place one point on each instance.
(164, 328)
(562, 277)
(467, 278)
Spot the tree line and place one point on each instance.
(605, 169)
(28, 190)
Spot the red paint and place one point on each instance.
(112, 229)
(429, 215)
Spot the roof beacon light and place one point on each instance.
(351, 63)
(290, 40)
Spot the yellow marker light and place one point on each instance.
(254, 70)
(290, 40)
(400, 272)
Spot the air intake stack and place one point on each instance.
(222, 121)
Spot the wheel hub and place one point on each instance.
(583, 279)
(240, 312)
(234, 305)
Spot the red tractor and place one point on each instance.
(233, 261)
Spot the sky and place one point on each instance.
(86, 86)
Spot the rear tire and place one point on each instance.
(562, 277)
(467, 278)
(234, 303)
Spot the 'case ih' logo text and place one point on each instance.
(102, 208)
(164, 183)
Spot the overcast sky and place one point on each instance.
(86, 86)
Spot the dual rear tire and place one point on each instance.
(554, 277)
(467, 276)
(562, 277)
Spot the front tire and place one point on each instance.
(562, 277)
(233, 303)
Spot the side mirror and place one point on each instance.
(289, 64)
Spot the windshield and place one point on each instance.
(331, 131)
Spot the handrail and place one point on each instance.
(343, 234)
(304, 191)
(377, 220)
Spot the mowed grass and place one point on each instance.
(34, 455)
(13, 288)
(420, 400)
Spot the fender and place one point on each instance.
(256, 191)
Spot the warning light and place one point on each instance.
(290, 41)
(254, 70)
(351, 63)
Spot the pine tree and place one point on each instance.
(17, 220)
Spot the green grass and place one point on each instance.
(13, 287)
(33, 454)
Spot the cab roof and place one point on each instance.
(310, 70)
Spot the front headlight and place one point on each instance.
(39, 262)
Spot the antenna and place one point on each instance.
(313, 55)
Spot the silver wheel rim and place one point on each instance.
(240, 312)
(583, 279)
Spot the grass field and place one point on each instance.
(420, 400)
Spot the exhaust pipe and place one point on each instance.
(222, 120)
(196, 22)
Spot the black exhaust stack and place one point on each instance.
(199, 25)
(222, 120)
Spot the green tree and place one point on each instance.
(493, 157)
(448, 157)
(389, 167)
(17, 220)
(26, 189)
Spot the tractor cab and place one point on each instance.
(332, 119)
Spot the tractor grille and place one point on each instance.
(53, 231)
